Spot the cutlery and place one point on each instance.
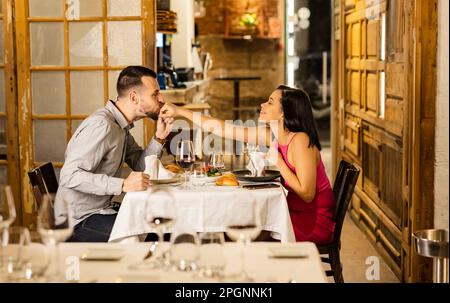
(151, 250)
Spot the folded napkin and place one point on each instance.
(257, 163)
(155, 169)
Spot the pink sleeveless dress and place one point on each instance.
(311, 221)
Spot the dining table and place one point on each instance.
(263, 261)
(207, 208)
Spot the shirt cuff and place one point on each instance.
(114, 186)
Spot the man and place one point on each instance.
(90, 176)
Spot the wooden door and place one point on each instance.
(9, 149)
(377, 115)
(69, 56)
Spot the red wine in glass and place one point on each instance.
(186, 164)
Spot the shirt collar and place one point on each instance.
(117, 114)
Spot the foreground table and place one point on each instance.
(258, 263)
(207, 209)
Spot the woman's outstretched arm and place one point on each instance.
(253, 135)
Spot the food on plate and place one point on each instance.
(213, 172)
(174, 168)
(227, 180)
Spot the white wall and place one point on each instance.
(441, 161)
(182, 41)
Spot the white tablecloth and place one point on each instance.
(258, 264)
(209, 208)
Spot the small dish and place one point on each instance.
(287, 252)
(175, 179)
(102, 254)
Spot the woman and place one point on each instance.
(289, 119)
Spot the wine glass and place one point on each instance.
(212, 260)
(198, 174)
(7, 217)
(217, 161)
(54, 227)
(244, 233)
(184, 248)
(16, 252)
(160, 213)
(185, 157)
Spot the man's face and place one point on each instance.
(150, 99)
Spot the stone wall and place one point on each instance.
(239, 57)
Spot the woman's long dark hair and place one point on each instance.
(298, 115)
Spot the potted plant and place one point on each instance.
(249, 21)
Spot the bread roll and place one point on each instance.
(227, 180)
(174, 168)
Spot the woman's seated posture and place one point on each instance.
(289, 120)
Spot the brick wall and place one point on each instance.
(238, 57)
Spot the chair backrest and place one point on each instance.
(43, 180)
(343, 188)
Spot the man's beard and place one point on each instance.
(152, 115)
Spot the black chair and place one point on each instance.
(343, 187)
(43, 181)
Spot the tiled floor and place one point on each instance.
(356, 248)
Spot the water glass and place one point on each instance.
(212, 259)
(15, 253)
(184, 252)
(217, 161)
(198, 174)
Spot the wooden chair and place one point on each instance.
(43, 181)
(343, 187)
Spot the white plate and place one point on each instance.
(176, 179)
(102, 254)
(287, 252)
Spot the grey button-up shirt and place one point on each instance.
(94, 156)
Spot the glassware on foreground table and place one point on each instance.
(184, 251)
(7, 217)
(212, 259)
(198, 174)
(16, 244)
(160, 214)
(53, 231)
(185, 157)
(244, 234)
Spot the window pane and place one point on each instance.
(86, 91)
(3, 138)
(2, 91)
(112, 79)
(86, 43)
(125, 43)
(90, 8)
(42, 51)
(124, 8)
(2, 49)
(75, 124)
(138, 132)
(46, 8)
(48, 92)
(3, 175)
(49, 140)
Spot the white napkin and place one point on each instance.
(257, 163)
(155, 169)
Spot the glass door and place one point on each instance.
(9, 150)
(70, 53)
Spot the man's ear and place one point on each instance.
(133, 97)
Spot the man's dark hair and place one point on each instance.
(132, 77)
(298, 115)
